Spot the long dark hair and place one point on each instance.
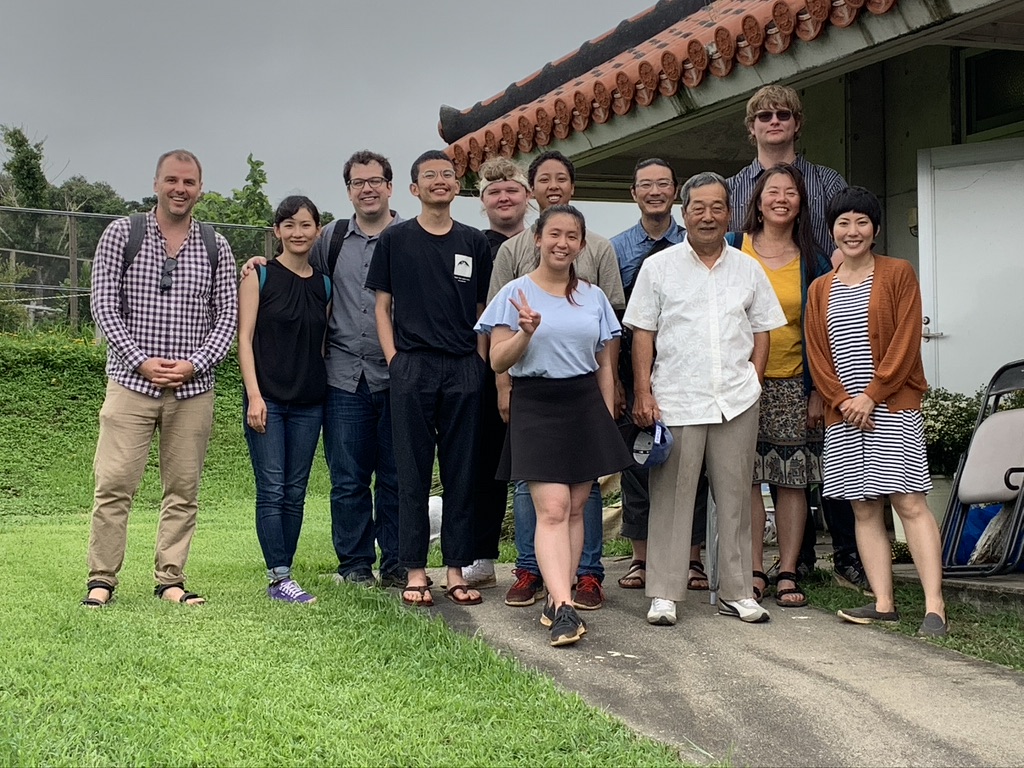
(569, 210)
(802, 233)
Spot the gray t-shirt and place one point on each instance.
(596, 263)
(353, 349)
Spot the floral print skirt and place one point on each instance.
(788, 453)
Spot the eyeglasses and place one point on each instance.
(647, 186)
(766, 116)
(165, 276)
(717, 209)
(375, 183)
(431, 175)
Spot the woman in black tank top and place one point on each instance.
(282, 320)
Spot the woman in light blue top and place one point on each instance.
(561, 434)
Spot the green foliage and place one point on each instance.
(80, 194)
(241, 681)
(24, 164)
(12, 314)
(949, 419)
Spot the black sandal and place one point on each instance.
(160, 589)
(92, 602)
(780, 593)
(693, 583)
(760, 593)
(633, 579)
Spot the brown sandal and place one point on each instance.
(453, 592)
(636, 576)
(426, 599)
(698, 583)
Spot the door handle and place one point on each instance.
(927, 335)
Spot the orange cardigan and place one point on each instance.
(894, 328)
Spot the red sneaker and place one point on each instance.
(527, 590)
(589, 593)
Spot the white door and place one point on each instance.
(971, 230)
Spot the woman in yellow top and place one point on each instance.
(789, 440)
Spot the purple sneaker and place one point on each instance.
(288, 591)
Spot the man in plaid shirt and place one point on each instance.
(177, 325)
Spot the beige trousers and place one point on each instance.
(728, 448)
(128, 420)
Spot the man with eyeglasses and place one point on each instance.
(430, 275)
(707, 308)
(654, 189)
(774, 119)
(169, 319)
(357, 412)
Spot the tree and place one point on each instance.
(248, 205)
(24, 165)
(79, 194)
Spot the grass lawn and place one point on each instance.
(356, 679)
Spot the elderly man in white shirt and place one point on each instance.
(708, 309)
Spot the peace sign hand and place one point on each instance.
(529, 318)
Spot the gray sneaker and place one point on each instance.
(933, 626)
(868, 614)
(361, 576)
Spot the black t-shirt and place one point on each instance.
(435, 281)
(494, 240)
(287, 343)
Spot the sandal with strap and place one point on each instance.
(636, 576)
(799, 602)
(698, 583)
(92, 602)
(160, 589)
(760, 593)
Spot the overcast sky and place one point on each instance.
(110, 84)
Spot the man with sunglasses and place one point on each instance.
(774, 119)
(176, 323)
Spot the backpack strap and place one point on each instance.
(327, 287)
(337, 237)
(734, 239)
(209, 235)
(261, 273)
(136, 234)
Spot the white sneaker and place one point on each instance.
(745, 609)
(480, 575)
(662, 613)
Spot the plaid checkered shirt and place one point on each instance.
(194, 320)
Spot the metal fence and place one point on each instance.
(46, 261)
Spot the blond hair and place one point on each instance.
(775, 97)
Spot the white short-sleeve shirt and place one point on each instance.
(705, 320)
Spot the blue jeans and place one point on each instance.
(358, 448)
(281, 459)
(526, 529)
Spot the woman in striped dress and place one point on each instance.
(863, 337)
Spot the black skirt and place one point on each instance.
(560, 431)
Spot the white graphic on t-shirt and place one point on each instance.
(463, 267)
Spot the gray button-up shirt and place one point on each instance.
(352, 346)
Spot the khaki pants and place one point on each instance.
(127, 422)
(728, 449)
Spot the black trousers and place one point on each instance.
(435, 403)
(490, 495)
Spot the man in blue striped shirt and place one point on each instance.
(774, 119)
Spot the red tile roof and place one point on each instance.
(709, 39)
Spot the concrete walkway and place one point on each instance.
(805, 689)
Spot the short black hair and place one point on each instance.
(292, 205)
(543, 157)
(855, 200)
(430, 154)
(641, 164)
(365, 157)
